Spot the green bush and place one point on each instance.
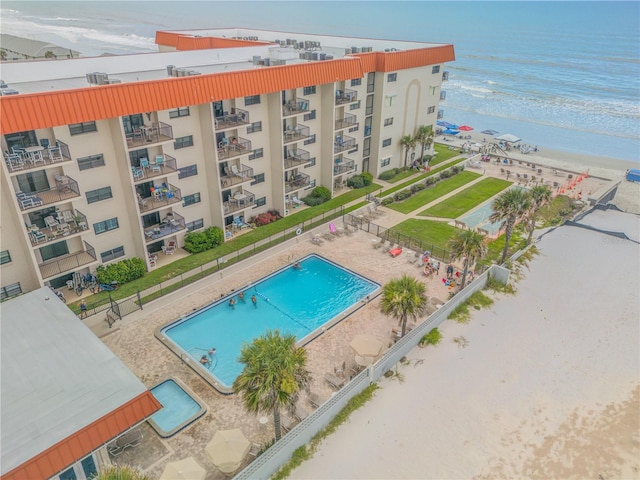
(387, 201)
(317, 196)
(432, 338)
(388, 175)
(402, 195)
(416, 187)
(122, 272)
(445, 174)
(367, 178)
(355, 182)
(312, 201)
(196, 242)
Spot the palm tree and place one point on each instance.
(49, 54)
(508, 208)
(409, 143)
(3, 54)
(403, 298)
(538, 195)
(274, 374)
(424, 136)
(467, 244)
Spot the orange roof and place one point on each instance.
(404, 59)
(86, 440)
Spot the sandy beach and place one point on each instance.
(547, 386)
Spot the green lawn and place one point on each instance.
(430, 194)
(402, 175)
(470, 197)
(433, 235)
(442, 154)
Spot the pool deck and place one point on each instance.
(134, 343)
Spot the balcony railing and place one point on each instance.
(294, 107)
(66, 188)
(236, 118)
(299, 181)
(346, 96)
(39, 157)
(239, 201)
(347, 121)
(66, 263)
(296, 157)
(162, 165)
(344, 166)
(150, 134)
(171, 224)
(161, 197)
(341, 143)
(299, 132)
(234, 147)
(68, 224)
(244, 174)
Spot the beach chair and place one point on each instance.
(287, 423)
(315, 399)
(130, 439)
(340, 369)
(394, 252)
(255, 450)
(300, 413)
(335, 382)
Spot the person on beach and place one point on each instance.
(254, 300)
(449, 271)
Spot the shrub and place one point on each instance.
(355, 182)
(265, 218)
(367, 178)
(445, 174)
(387, 201)
(388, 175)
(456, 169)
(196, 242)
(317, 196)
(416, 187)
(312, 201)
(432, 338)
(402, 195)
(430, 181)
(122, 272)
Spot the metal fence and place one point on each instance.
(270, 461)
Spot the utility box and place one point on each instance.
(633, 175)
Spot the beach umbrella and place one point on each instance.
(508, 137)
(227, 449)
(450, 131)
(366, 345)
(185, 469)
(490, 132)
(465, 128)
(442, 123)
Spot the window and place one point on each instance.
(259, 178)
(312, 184)
(388, 99)
(310, 140)
(388, 121)
(385, 161)
(371, 82)
(312, 162)
(196, 224)
(189, 171)
(85, 127)
(356, 81)
(309, 90)
(252, 100)
(435, 69)
(256, 153)
(112, 254)
(310, 116)
(254, 127)
(179, 112)
(392, 77)
(431, 109)
(10, 290)
(386, 142)
(99, 194)
(354, 129)
(355, 106)
(105, 226)
(190, 199)
(5, 257)
(182, 142)
(93, 161)
(366, 147)
(260, 202)
(432, 90)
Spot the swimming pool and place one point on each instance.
(479, 218)
(179, 408)
(301, 301)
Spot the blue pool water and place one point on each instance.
(480, 217)
(179, 409)
(296, 301)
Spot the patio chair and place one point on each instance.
(157, 166)
(335, 382)
(144, 163)
(55, 154)
(38, 236)
(14, 162)
(255, 450)
(169, 249)
(50, 221)
(315, 399)
(297, 201)
(138, 173)
(130, 439)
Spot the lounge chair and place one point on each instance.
(335, 382)
(169, 249)
(333, 229)
(300, 413)
(339, 370)
(255, 450)
(132, 438)
(297, 201)
(237, 173)
(287, 423)
(316, 400)
(394, 252)
(50, 221)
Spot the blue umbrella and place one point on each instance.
(442, 123)
(450, 131)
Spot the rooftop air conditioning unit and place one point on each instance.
(4, 85)
(101, 78)
(91, 78)
(256, 59)
(322, 56)
(347, 51)
(170, 69)
(267, 62)
(111, 81)
(329, 57)
(8, 91)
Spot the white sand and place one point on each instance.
(548, 386)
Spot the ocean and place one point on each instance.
(560, 75)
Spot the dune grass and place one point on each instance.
(428, 195)
(464, 201)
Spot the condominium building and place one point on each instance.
(114, 157)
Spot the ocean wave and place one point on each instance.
(491, 82)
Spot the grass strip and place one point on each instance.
(429, 232)
(413, 180)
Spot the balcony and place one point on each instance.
(295, 107)
(344, 166)
(66, 188)
(171, 224)
(294, 134)
(162, 165)
(240, 175)
(346, 96)
(150, 134)
(233, 147)
(239, 201)
(296, 182)
(161, 197)
(37, 157)
(68, 262)
(341, 143)
(443, 95)
(445, 76)
(68, 224)
(440, 114)
(236, 118)
(347, 121)
(296, 157)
